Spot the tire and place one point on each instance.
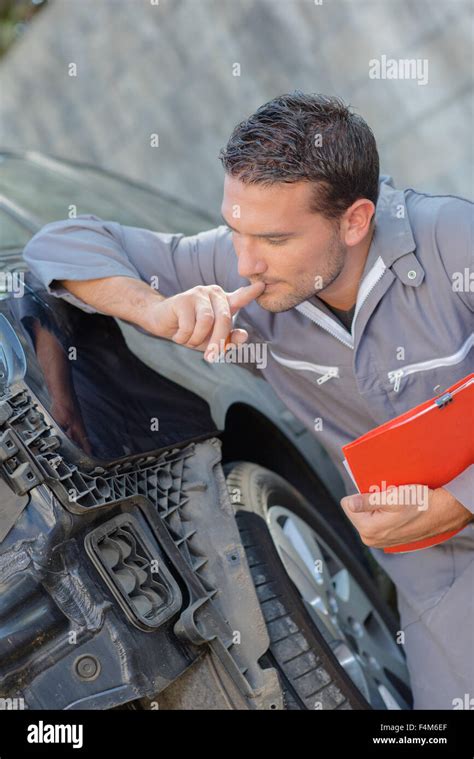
(301, 648)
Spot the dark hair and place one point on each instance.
(311, 137)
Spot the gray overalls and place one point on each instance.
(412, 336)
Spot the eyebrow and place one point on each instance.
(267, 234)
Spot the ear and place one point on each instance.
(355, 222)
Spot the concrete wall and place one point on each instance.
(168, 69)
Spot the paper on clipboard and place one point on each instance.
(348, 470)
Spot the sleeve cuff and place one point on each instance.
(462, 488)
(54, 288)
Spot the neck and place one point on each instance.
(342, 293)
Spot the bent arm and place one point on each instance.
(182, 288)
(88, 248)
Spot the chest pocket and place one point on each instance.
(324, 373)
(440, 369)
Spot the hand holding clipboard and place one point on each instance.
(430, 444)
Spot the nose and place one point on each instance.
(250, 262)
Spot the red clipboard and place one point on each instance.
(428, 445)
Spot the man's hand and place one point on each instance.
(384, 525)
(200, 318)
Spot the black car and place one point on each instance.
(170, 536)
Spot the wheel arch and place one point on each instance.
(249, 435)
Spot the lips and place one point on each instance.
(267, 285)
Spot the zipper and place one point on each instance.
(334, 328)
(367, 285)
(323, 320)
(396, 375)
(326, 372)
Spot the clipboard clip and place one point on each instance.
(443, 400)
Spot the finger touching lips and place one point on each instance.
(245, 295)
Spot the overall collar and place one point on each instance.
(393, 239)
(391, 255)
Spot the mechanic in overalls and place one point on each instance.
(363, 295)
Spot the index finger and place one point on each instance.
(244, 295)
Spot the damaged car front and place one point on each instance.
(122, 573)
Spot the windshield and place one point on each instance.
(36, 189)
(47, 189)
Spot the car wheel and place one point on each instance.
(332, 637)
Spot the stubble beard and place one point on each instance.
(305, 288)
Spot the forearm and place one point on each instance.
(199, 318)
(126, 298)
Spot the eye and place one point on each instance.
(278, 241)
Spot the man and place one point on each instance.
(353, 288)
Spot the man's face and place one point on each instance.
(279, 241)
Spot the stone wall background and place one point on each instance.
(168, 69)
